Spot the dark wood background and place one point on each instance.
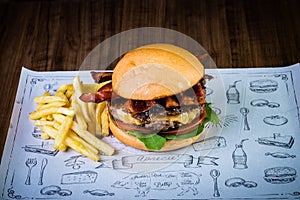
(58, 35)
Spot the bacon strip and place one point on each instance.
(103, 94)
(137, 106)
(95, 97)
(171, 102)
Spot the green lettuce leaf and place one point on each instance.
(155, 142)
(151, 141)
(211, 116)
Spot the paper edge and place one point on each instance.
(17, 106)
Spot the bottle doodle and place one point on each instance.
(239, 156)
(232, 94)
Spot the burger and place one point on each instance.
(156, 98)
(280, 175)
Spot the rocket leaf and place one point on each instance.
(151, 141)
(155, 142)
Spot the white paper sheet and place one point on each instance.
(254, 152)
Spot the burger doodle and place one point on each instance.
(156, 98)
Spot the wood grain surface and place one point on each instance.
(58, 35)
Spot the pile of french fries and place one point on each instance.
(72, 122)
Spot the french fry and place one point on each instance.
(77, 146)
(78, 114)
(40, 113)
(63, 96)
(46, 94)
(96, 142)
(41, 104)
(71, 122)
(78, 91)
(55, 104)
(57, 125)
(90, 148)
(93, 140)
(49, 117)
(62, 147)
(45, 136)
(48, 99)
(70, 91)
(105, 122)
(92, 110)
(99, 109)
(87, 136)
(92, 113)
(63, 88)
(44, 118)
(63, 131)
(43, 123)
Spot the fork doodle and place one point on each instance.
(30, 163)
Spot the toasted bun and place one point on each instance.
(156, 71)
(136, 143)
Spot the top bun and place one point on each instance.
(156, 71)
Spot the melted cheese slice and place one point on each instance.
(183, 118)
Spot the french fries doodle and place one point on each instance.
(71, 122)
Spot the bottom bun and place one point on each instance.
(136, 143)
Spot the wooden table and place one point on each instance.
(58, 35)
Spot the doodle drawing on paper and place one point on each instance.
(278, 140)
(232, 94)
(213, 142)
(45, 148)
(214, 173)
(168, 180)
(280, 155)
(264, 103)
(239, 156)
(280, 175)
(42, 170)
(98, 192)
(245, 111)
(275, 120)
(54, 189)
(30, 163)
(74, 162)
(82, 177)
(263, 86)
(238, 181)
